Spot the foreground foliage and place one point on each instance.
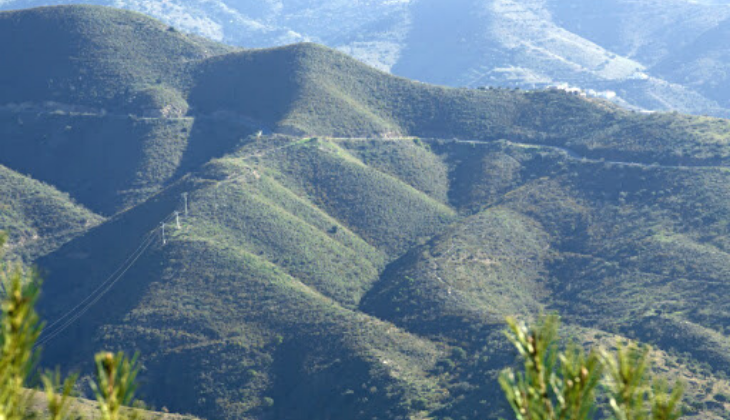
(350, 278)
(564, 384)
(20, 328)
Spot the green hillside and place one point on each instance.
(37, 217)
(614, 247)
(101, 114)
(306, 89)
(110, 163)
(271, 255)
(92, 56)
(144, 104)
(353, 240)
(292, 275)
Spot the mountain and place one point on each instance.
(287, 233)
(702, 64)
(648, 54)
(39, 217)
(87, 98)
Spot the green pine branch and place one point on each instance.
(558, 384)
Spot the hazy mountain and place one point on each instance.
(353, 240)
(651, 54)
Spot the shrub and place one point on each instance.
(20, 328)
(562, 384)
(115, 383)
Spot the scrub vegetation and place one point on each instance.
(339, 242)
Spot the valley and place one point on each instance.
(340, 242)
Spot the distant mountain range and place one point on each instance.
(648, 54)
(288, 233)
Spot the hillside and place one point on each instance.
(90, 410)
(288, 233)
(655, 55)
(280, 244)
(39, 217)
(82, 65)
(702, 64)
(316, 91)
(97, 94)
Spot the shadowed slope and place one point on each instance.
(92, 56)
(320, 278)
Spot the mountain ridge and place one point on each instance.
(611, 50)
(288, 233)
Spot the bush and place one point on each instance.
(555, 384)
(20, 328)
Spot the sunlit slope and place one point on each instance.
(121, 106)
(311, 90)
(272, 283)
(37, 217)
(657, 55)
(559, 213)
(332, 264)
(619, 247)
(255, 296)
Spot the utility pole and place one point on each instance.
(185, 197)
(177, 219)
(164, 240)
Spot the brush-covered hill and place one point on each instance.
(637, 53)
(88, 56)
(702, 64)
(39, 217)
(291, 234)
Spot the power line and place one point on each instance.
(100, 286)
(80, 313)
(114, 277)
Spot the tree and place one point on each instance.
(115, 383)
(556, 384)
(20, 327)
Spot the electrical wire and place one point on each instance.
(106, 285)
(81, 312)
